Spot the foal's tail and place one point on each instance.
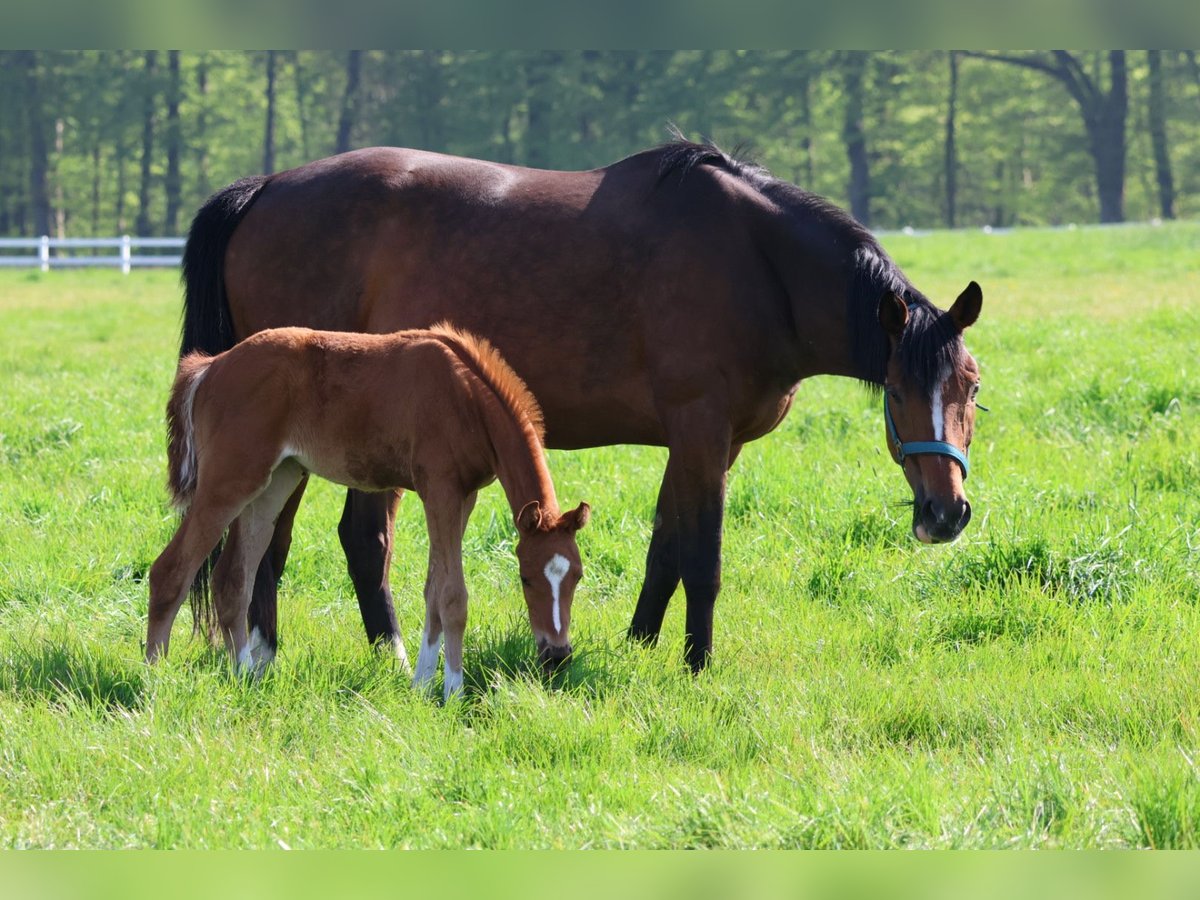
(207, 323)
(182, 468)
(181, 443)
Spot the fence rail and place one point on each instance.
(47, 252)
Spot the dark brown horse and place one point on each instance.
(684, 294)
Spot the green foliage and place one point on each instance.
(1021, 146)
(1033, 685)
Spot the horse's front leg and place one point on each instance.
(367, 532)
(688, 528)
(446, 512)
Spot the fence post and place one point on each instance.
(125, 244)
(44, 252)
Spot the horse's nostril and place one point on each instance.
(933, 512)
(966, 514)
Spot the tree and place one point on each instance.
(1158, 136)
(39, 157)
(149, 100)
(174, 145)
(1104, 114)
(854, 68)
(951, 158)
(268, 163)
(349, 101)
(539, 101)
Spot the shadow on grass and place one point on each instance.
(60, 673)
(509, 654)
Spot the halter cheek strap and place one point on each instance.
(917, 448)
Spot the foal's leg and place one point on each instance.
(263, 615)
(694, 490)
(367, 531)
(446, 513)
(172, 574)
(233, 578)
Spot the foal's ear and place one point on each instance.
(529, 518)
(893, 314)
(966, 308)
(576, 518)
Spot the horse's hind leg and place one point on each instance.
(263, 613)
(233, 579)
(367, 531)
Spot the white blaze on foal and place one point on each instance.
(556, 570)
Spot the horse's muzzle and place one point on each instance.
(552, 658)
(939, 523)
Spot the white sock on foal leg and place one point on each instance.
(427, 661)
(453, 682)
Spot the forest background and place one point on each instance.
(113, 142)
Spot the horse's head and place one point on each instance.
(550, 569)
(929, 407)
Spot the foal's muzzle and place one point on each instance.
(939, 523)
(552, 658)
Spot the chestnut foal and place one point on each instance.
(435, 411)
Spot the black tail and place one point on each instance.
(207, 323)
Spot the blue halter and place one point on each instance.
(916, 448)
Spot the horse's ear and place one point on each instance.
(577, 518)
(529, 518)
(893, 314)
(966, 308)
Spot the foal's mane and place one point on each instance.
(486, 362)
(931, 343)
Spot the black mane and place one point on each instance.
(931, 342)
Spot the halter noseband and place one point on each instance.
(917, 448)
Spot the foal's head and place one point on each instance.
(929, 407)
(550, 569)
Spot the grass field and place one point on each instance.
(1035, 684)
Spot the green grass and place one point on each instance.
(1034, 685)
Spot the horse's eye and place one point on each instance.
(974, 390)
(524, 581)
(893, 394)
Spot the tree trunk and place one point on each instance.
(854, 69)
(96, 175)
(301, 102)
(174, 146)
(951, 155)
(39, 157)
(202, 164)
(806, 122)
(539, 80)
(268, 163)
(1108, 141)
(60, 200)
(349, 114)
(1158, 136)
(1104, 114)
(150, 70)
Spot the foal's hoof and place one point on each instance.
(553, 658)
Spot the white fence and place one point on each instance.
(40, 255)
